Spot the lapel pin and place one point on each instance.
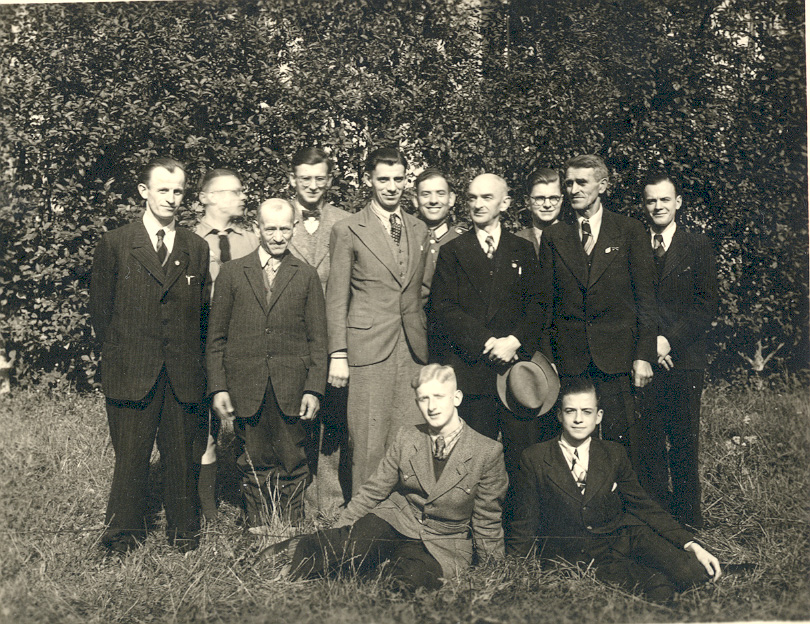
(189, 278)
(176, 263)
(609, 249)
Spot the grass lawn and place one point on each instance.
(55, 471)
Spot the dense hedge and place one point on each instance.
(713, 90)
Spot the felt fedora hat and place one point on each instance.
(529, 389)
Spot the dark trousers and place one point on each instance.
(670, 427)
(134, 426)
(640, 558)
(617, 401)
(488, 416)
(360, 548)
(273, 460)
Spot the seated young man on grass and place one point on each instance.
(580, 500)
(436, 494)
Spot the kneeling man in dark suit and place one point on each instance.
(580, 500)
(435, 496)
(266, 358)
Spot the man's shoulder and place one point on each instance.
(190, 238)
(559, 230)
(693, 238)
(415, 222)
(125, 231)
(334, 213)
(623, 221)
(304, 268)
(527, 233)
(482, 443)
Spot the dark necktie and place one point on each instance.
(310, 214)
(658, 247)
(587, 237)
(396, 228)
(162, 252)
(439, 447)
(224, 244)
(490, 247)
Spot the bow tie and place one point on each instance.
(310, 214)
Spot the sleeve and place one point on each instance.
(219, 321)
(338, 287)
(643, 278)
(315, 316)
(526, 523)
(703, 307)
(546, 281)
(487, 516)
(102, 287)
(530, 327)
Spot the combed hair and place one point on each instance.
(588, 161)
(385, 155)
(211, 174)
(431, 372)
(654, 176)
(169, 164)
(543, 176)
(578, 384)
(429, 174)
(311, 156)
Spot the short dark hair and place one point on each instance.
(429, 174)
(543, 176)
(588, 161)
(164, 162)
(578, 384)
(384, 155)
(311, 156)
(654, 176)
(211, 174)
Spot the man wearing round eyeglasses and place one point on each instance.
(545, 202)
(327, 438)
(223, 197)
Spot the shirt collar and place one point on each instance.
(595, 221)
(450, 439)
(384, 215)
(152, 225)
(206, 228)
(667, 235)
(583, 450)
(495, 234)
(264, 257)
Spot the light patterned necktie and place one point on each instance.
(162, 252)
(580, 475)
(396, 228)
(587, 238)
(439, 448)
(659, 246)
(490, 247)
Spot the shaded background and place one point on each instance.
(714, 90)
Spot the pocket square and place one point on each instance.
(615, 485)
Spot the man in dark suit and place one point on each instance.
(485, 302)
(545, 202)
(375, 312)
(148, 292)
(687, 304)
(266, 359)
(310, 176)
(598, 279)
(580, 500)
(434, 498)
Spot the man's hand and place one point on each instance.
(221, 404)
(707, 560)
(642, 373)
(339, 372)
(502, 350)
(309, 406)
(664, 358)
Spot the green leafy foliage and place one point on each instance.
(713, 90)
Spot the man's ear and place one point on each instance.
(414, 201)
(367, 179)
(291, 178)
(507, 201)
(142, 190)
(678, 202)
(457, 396)
(603, 184)
(452, 201)
(599, 415)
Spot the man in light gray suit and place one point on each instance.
(375, 314)
(327, 437)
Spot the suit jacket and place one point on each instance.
(465, 501)
(474, 299)
(528, 234)
(367, 303)
(148, 316)
(314, 248)
(551, 506)
(251, 339)
(687, 297)
(606, 314)
(434, 245)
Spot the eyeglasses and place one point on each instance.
(539, 200)
(307, 180)
(231, 192)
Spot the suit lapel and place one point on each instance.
(144, 252)
(675, 254)
(604, 250)
(559, 472)
(371, 233)
(456, 468)
(422, 463)
(598, 470)
(570, 250)
(474, 262)
(253, 273)
(415, 245)
(503, 277)
(286, 270)
(177, 262)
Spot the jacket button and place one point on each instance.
(589, 527)
(267, 330)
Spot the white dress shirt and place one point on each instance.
(152, 226)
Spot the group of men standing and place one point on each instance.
(319, 310)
